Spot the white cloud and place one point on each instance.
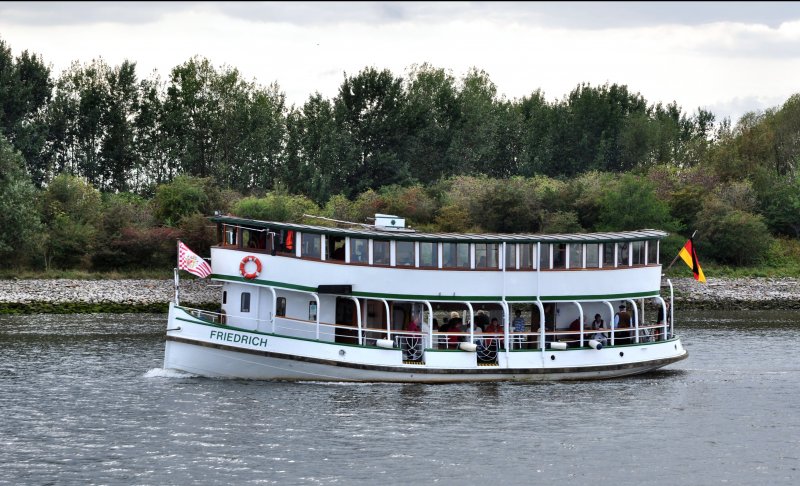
(733, 66)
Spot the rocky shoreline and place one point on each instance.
(80, 296)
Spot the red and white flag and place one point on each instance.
(189, 261)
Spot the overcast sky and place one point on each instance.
(727, 57)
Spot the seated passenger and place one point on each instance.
(596, 325)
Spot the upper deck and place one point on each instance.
(442, 266)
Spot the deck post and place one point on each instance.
(471, 323)
(388, 319)
(541, 324)
(580, 316)
(671, 312)
(635, 320)
(430, 323)
(358, 318)
(316, 297)
(611, 320)
(274, 310)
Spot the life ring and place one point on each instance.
(245, 261)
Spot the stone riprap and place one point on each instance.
(133, 292)
(723, 293)
(738, 293)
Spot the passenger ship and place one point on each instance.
(369, 303)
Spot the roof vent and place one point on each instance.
(387, 221)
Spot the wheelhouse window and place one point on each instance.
(622, 256)
(404, 253)
(576, 255)
(311, 246)
(334, 246)
(455, 255)
(592, 255)
(245, 302)
(285, 241)
(428, 254)
(608, 254)
(254, 239)
(652, 252)
(380, 252)
(544, 258)
(511, 256)
(359, 250)
(486, 255)
(637, 248)
(230, 235)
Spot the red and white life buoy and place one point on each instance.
(244, 272)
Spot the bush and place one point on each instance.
(731, 235)
(184, 196)
(276, 207)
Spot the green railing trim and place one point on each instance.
(444, 298)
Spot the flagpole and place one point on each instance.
(177, 279)
(679, 254)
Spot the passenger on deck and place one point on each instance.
(494, 327)
(455, 326)
(622, 320)
(518, 325)
(596, 325)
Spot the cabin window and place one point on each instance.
(544, 258)
(576, 255)
(428, 254)
(560, 255)
(622, 255)
(637, 247)
(359, 250)
(511, 256)
(527, 256)
(224, 297)
(334, 246)
(608, 254)
(652, 252)
(311, 245)
(380, 253)
(486, 255)
(592, 255)
(455, 255)
(280, 307)
(245, 302)
(404, 253)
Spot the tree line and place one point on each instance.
(99, 153)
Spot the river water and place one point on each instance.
(84, 400)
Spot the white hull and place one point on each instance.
(208, 350)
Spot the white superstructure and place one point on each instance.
(302, 302)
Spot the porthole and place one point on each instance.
(552, 357)
(621, 354)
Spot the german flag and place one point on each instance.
(689, 256)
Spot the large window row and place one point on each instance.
(425, 254)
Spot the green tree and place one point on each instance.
(20, 226)
(25, 90)
(70, 209)
(369, 116)
(276, 207)
(183, 197)
(630, 203)
(731, 235)
(431, 113)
